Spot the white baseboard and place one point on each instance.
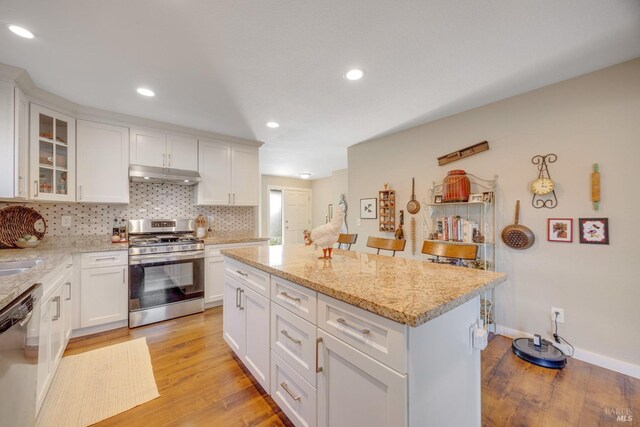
(596, 359)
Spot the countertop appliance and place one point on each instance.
(19, 345)
(166, 270)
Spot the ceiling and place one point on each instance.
(229, 66)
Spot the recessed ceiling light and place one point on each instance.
(305, 175)
(146, 177)
(355, 74)
(272, 125)
(186, 180)
(22, 32)
(146, 92)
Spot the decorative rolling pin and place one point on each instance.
(595, 187)
(413, 236)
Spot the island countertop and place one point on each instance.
(407, 291)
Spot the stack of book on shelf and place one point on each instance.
(455, 229)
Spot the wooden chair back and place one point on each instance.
(347, 239)
(447, 250)
(386, 244)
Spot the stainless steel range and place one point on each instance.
(166, 270)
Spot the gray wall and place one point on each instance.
(594, 118)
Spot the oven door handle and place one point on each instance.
(155, 258)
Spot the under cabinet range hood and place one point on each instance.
(157, 175)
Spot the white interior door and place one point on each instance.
(297, 215)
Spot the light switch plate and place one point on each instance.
(66, 221)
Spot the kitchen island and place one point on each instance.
(359, 340)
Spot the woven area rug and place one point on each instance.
(92, 386)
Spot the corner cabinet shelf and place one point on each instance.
(454, 224)
(387, 207)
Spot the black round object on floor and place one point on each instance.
(547, 355)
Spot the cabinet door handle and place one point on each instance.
(57, 316)
(234, 198)
(286, 295)
(229, 196)
(123, 274)
(21, 185)
(318, 367)
(169, 160)
(242, 274)
(79, 192)
(69, 297)
(106, 259)
(286, 388)
(237, 293)
(344, 323)
(240, 306)
(286, 334)
(35, 188)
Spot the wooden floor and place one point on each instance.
(201, 383)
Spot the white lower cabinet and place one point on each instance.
(103, 290)
(215, 269)
(246, 328)
(55, 327)
(356, 390)
(295, 396)
(316, 378)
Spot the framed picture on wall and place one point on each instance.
(594, 231)
(560, 230)
(369, 208)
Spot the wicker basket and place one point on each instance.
(16, 221)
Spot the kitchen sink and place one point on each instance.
(14, 267)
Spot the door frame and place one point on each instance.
(283, 188)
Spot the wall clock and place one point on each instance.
(543, 188)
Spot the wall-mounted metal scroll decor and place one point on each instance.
(543, 172)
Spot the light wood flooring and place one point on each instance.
(201, 383)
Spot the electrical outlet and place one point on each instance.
(560, 312)
(66, 221)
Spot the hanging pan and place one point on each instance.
(518, 236)
(413, 207)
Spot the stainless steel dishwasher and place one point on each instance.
(19, 337)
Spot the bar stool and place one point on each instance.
(347, 239)
(386, 244)
(442, 249)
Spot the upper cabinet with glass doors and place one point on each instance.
(53, 148)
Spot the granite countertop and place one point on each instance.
(53, 251)
(241, 237)
(407, 291)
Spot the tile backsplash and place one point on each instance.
(145, 201)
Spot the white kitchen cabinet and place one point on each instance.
(103, 290)
(245, 176)
(229, 173)
(354, 389)
(214, 279)
(182, 152)
(103, 163)
(148, 148)
(52, 168)
(55, 327)
(256, 355)
(14, 142)
(233, 324)
(246, 328)
(155, 148)
(214, 165)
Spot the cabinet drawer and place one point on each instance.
(295, 298)
(104, 259)
(292, 393)
(294, 340)
(376, 336)
(253, 278)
